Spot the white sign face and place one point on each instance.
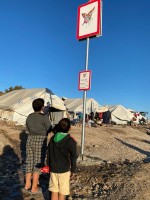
(84, 80)
(89, 20)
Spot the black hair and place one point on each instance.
(63, 125)
(37, 104)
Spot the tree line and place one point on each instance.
(17, 87)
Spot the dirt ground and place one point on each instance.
(115, 164)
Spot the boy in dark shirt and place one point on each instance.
(38, 125)
(62, 160)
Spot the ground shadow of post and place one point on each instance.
(10, 184)
(147, 153)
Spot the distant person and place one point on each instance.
(92, 116)
(62, 160)
(46, 109)
(38, 125)
(80, 116)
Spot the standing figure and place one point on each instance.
(38, 125)
(62, 160)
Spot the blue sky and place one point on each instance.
(39, 49)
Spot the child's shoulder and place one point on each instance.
(29, 116)
(73, 138)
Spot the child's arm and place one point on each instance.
(73, 155)
(47, 124)
(72, 174)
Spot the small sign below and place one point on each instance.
(84, 80)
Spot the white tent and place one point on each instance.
(102, 109)
(76, 105)
(17, 105)
(120, 115)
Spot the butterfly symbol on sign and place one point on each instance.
(87, 16)
(84, 75)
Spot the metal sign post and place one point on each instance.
(84, 101)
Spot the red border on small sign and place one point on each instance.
(84, 81)
(98, 31)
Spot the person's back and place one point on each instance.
(37, 124)
(61, 148)
(62, 160)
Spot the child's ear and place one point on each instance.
(42, 108)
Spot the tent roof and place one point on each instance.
(102, 109)
(10, 98)
(76, 104)
(17, 97)
(73, 104)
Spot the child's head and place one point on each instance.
(63, 125)
(38, 104)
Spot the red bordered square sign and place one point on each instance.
(84, 80)
(89, 21)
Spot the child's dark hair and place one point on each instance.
(63, 125)
(37, 104)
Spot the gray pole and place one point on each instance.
(84, 101)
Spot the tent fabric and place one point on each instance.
(17, 105)
(102, 109)
(76, 105)
(120, 115)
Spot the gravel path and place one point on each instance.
(115, 165)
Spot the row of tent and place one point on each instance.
(16, 105)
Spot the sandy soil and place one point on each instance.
(115, 143)
(120, 153)
(115, 164)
